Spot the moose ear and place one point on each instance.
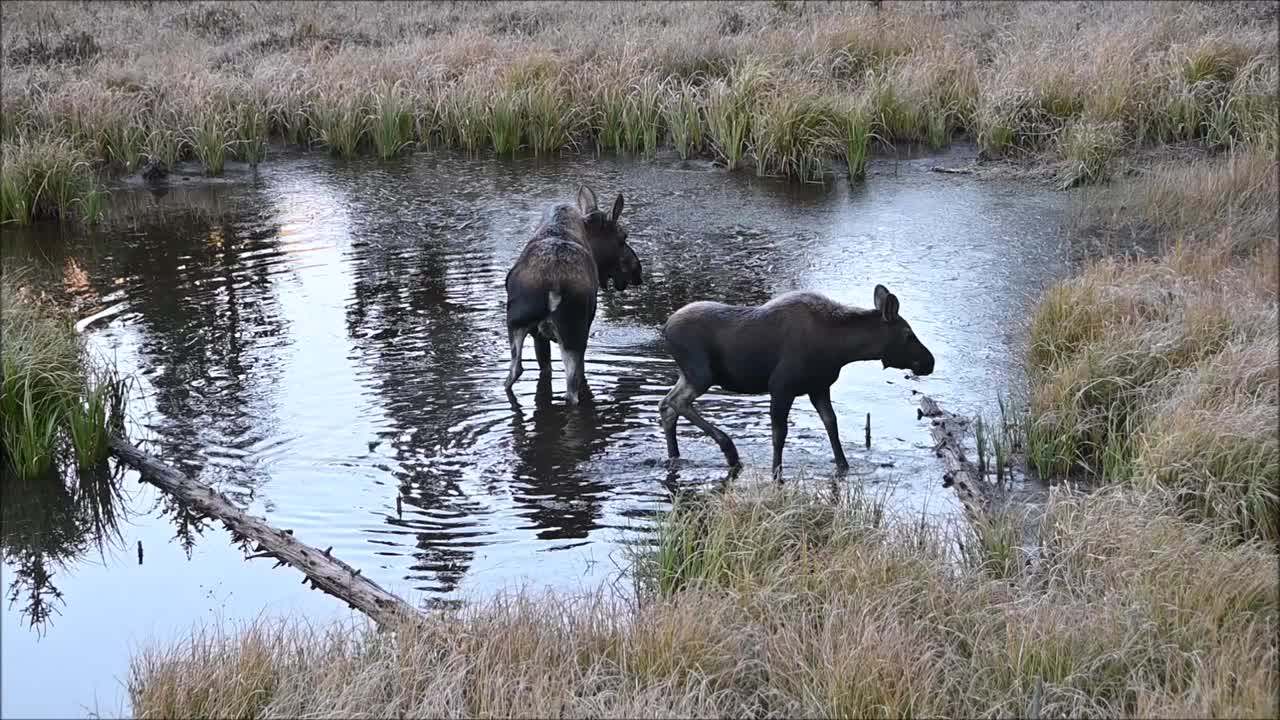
(617, 208)
(881, 293)
(886, 303)
(890, 309)
(586, 200)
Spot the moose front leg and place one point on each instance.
(779, 410)
(821, 400)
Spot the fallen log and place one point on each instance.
(982, 499)
(322, 569)
(948, 431)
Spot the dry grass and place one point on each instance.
(1164, 371)
(791, 603)
(769, 85)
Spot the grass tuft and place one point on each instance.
(340, 123)
(682, 114)
(46, 177)
(56, 409)
(390, 120)
(210, 140)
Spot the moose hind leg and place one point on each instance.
(668, 416)
(571, 322)
(542, 349)
(516, 336)
(574, 379)
(682, 401)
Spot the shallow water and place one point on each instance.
(324, 342)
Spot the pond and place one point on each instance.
(324, 342)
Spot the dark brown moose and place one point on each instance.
(795, 344)
(551, 289)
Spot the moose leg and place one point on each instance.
(668, 416)
(516, 335)
(681, 399)
(573, 379)
(779, 409)
(542, 349)
(821, 400)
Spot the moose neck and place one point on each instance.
(862, 337)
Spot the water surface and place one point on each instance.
(324, 342)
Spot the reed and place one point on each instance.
(250, 144)
(390, 120)
(46, 177)
(682, 113)
(210, 139)
(56, 408)
(1173, 73)
(339, 122)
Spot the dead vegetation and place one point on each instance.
(783, 88)
(789, 602)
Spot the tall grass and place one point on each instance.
(608, 98)
(163, 147)
(1164, 371)
(340, 123)
(1088, 84)
(251, 134)
(210, 139)
(124, 144)
(682, 113)
(1090, 150)
(390, 120)
(551, 123)
(855, 128)
(728, 122)
(463, 119)
(56, 409)
(798, 603)
(505, 120)
(46, 177)
(792, 133)
(642, 116)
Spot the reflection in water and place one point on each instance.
(47, 524)
(326, 344)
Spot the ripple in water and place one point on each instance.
(326, 344)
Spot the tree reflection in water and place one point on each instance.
(49, 523)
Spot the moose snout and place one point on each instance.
(923, 367)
